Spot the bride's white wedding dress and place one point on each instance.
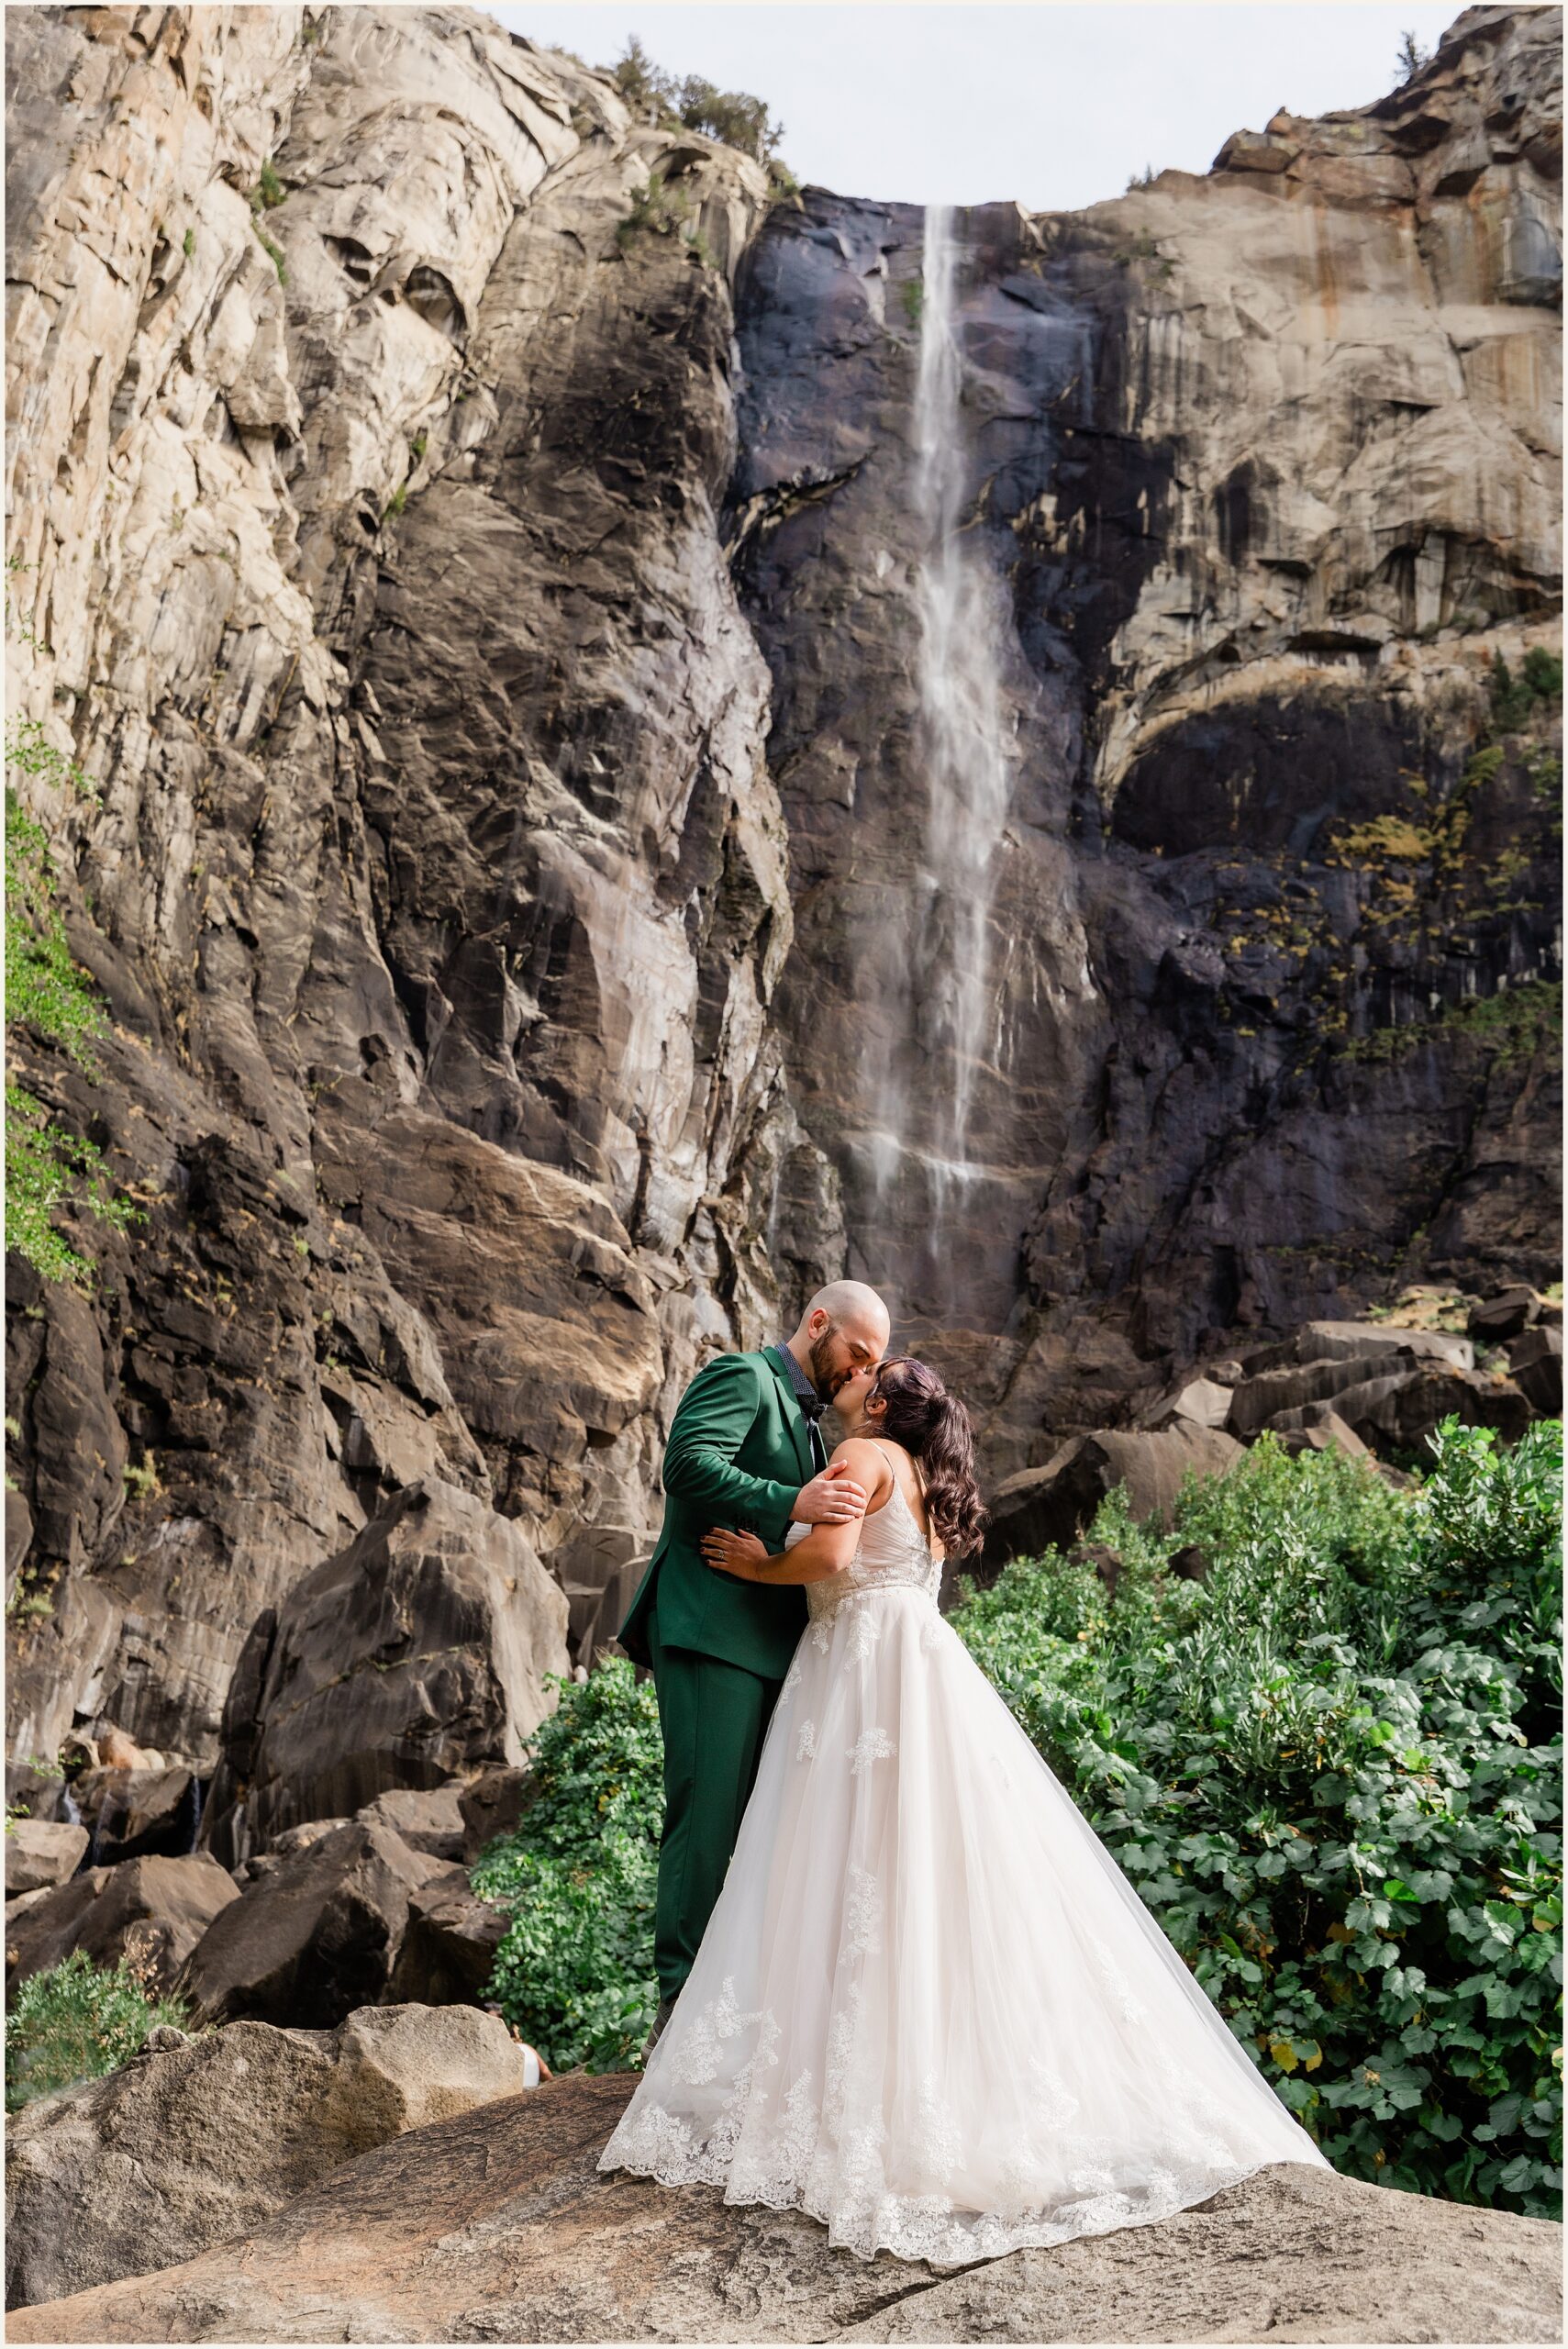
(928, 2008)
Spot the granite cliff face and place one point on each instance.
(492, 614)
(1268, 460)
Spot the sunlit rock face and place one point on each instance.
(1268, 462)
(638, 773)
(437, 887)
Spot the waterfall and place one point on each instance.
(964, 723)
(964, 764)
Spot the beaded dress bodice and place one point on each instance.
(893, 1556)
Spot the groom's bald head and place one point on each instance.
(850, 1305)
(844, 1327)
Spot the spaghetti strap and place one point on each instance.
(924, 1530)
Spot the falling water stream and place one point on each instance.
(964, 738)
(964, 723)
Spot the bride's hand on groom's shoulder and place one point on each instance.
(834, 1497)
(732, 1552)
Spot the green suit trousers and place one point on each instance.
(714, 1716)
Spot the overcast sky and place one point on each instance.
(1056, 106)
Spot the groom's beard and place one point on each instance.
(824, 1377)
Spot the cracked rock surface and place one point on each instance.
(495, 2226)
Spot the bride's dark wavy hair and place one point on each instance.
(937, 1429)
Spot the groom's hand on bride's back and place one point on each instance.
(831, 1499)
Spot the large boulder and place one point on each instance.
(491, 1805)
(1042, 1506)
(430, 1818)
(416, 1655)
(206, 2137)
(41, 1852)
(135, 1811)
(497, 2226)
(317, 1935)
(152, 1912)
(1535, 1366)
(450, 1943)
(1260, 1398)
(1396, 1412)
(1351, 1341)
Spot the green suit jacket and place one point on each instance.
(739, 1452)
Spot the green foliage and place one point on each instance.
(188, 243)
(1411, 57)
(783, 185)
(913, 294)
(24, 631)
(274, 253)
(733, 116)
(1539, 681)
(76, 2022)
(1145, 178)
(47, 992)
(575, 1970)
(664, 210)
(269, 189)
(1515, 1023)
(1333, 1770)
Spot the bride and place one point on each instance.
(928, 2008)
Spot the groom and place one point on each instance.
(745, 1450)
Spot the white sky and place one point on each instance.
(1054, 104)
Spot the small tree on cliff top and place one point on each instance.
(1412, 57)
(735, 116)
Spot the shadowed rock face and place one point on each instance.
(495, 2226)
(497, 641)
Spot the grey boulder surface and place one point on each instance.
(323, 1932)
(40, 1854)
(419, 1650)
(208, 2136)
(1041, 1508)
(496, 2225)
(151, 1913)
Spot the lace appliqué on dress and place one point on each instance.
(863, 1915)
(864, 1631)
(805, 1743)
(871, 1745)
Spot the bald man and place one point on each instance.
(744, 1450)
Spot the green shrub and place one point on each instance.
(76, 2021)
(47, 992)
(575, 1969)
(275, 252)
(1333, 1770)
(1539, 680)
(664, 211)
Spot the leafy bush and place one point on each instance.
(1539, 680)
(575, 1970)
(76, 2021)
(1333, 1770)
(47, 992)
